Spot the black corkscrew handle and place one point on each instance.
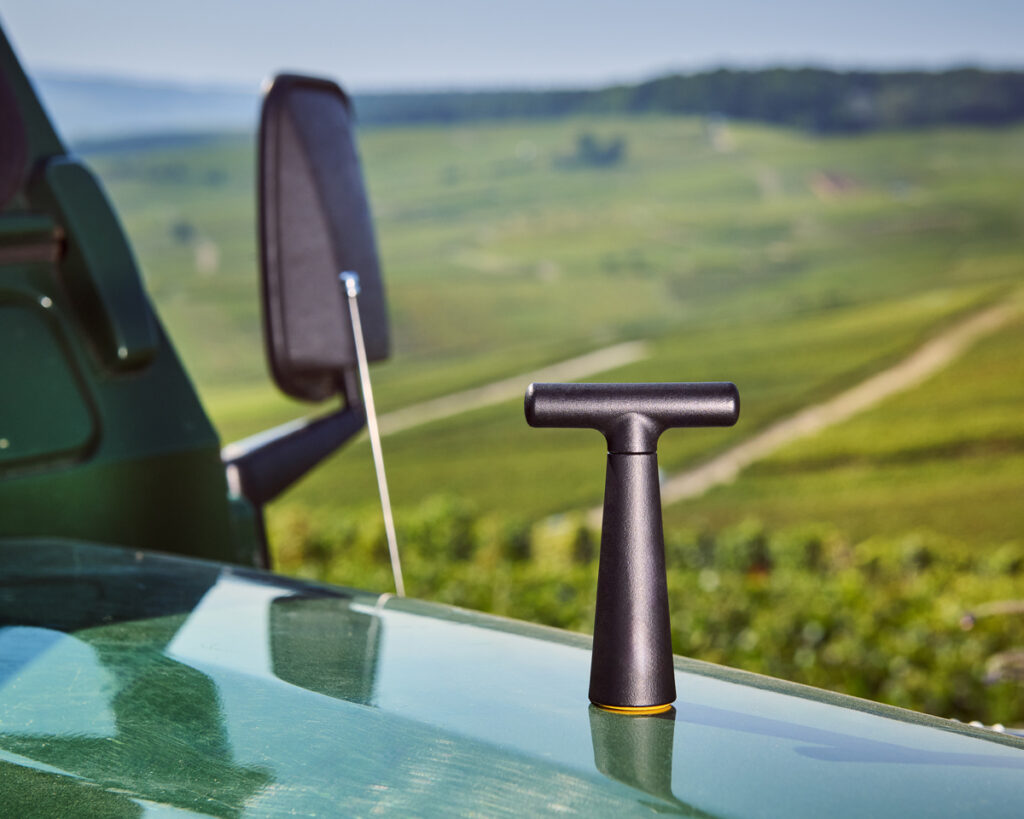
(631, 665)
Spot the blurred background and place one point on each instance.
(823, 203)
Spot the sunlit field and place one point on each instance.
(790, 264)
(793, 265)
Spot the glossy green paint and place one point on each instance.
(102, 436)
(96, 264)
(29, 432)
(134, 683)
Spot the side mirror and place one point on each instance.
(314, 223)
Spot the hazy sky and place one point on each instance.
(377, 44)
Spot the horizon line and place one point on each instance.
(52, 74)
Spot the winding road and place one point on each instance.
(925, 361)
(599, 361)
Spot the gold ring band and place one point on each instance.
(636, 710)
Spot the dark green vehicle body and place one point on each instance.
(101, 434)
(131, 681)
(147, 668)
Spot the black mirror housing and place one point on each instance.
(314, 223)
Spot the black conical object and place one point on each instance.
(631, 665)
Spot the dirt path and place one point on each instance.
(924, 362)
(911, 371)
(607, 358)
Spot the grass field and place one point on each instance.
(947, 457)
(790, 264)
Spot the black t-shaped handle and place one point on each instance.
(632, 416)
(631, 665)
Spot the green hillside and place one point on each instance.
(815, 99)
(947, 457)
(790, 264)
(794, 265)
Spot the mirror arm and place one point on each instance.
(261, 467)
(350, 388)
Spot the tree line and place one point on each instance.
(813, 99)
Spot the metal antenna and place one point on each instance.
(350, 283)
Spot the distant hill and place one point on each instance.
(88, 108)
(810, 98)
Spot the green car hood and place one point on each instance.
(137, 684)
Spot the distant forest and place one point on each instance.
(810, 98)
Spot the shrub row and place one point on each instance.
(917, 621)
